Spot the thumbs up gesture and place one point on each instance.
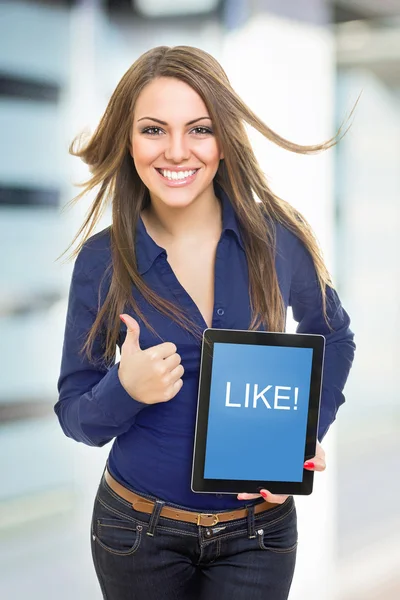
(152, 375)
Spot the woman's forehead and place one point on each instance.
(168, 98)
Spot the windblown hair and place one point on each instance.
(114, 175)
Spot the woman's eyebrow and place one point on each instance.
(164, 122)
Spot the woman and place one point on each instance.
(188, 248)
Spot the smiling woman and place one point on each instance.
(182, 148)
(188, 248)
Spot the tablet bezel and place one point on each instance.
(211, 336)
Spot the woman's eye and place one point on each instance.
(202, 130)
(155, 131)
(152, 130)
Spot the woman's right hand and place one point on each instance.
(152, 375)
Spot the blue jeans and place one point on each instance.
(146, 557)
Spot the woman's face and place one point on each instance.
(173, 146)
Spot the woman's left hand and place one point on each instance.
(314, 464)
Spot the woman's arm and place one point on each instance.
(93, 407)
(306, 301)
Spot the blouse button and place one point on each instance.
(220, 312)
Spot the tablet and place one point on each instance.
(258, 411)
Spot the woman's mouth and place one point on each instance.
(177, 178)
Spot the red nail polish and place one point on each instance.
(264, 495)
(309, 464)
(122, 319)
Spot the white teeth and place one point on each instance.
(174, 175)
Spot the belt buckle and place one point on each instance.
(214, 517)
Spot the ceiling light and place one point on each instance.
(166, 8)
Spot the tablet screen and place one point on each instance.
(258, 393)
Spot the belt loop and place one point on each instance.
(251, 530)
(158, 506)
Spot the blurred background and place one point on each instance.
(300, 64)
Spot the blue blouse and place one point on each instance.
(153, 444)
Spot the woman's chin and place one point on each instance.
(175, 198)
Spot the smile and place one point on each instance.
(178, 178)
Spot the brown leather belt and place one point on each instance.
(206, 520)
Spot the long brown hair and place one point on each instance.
(239, 175)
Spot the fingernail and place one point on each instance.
(122, 319)
(264, 495)
(309, 464)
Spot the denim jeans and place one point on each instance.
(147, 557)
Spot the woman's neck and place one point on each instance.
(202, 218)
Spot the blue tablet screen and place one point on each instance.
(258, 412)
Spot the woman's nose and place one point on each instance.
(177, 149)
